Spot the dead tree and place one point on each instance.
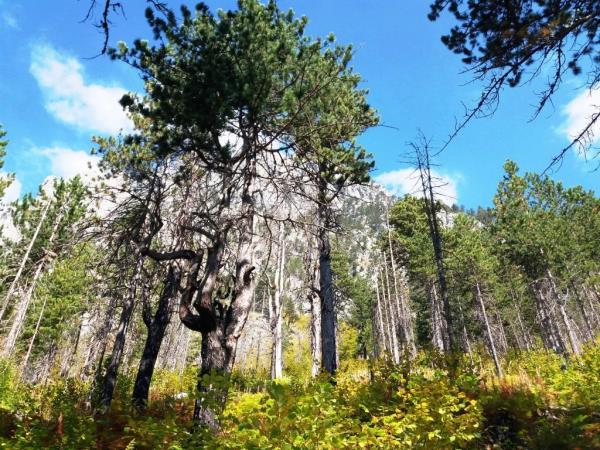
(428, 185)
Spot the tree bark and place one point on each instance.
(326, 294)
(109, 381)
(550, 333)
(24, 260)
(437, 320)
(219, 343)
(424, 167)
(32, 340)
(402, 302)
(488, 329)
(379, 318)
(19, 319)
(468, 346)
(275, 311)
(212, 381)
(563, 314)
(392, 317)
(587, 323)
(23, 306)
(157, 326)
(315, 333)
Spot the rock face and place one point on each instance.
(362, 216)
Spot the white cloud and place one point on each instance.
(72, 99)
(9, 20)
(406, 181)
(578, 113)
(13, 191)
(8, 230)
(67, 163)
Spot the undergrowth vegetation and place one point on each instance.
(542, 402)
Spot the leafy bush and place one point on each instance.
(430, 402)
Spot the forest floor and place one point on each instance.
(541, 402)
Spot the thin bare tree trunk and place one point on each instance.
(563, 314)
(437, 325)
(315, 333)
(15, 281)
(402, 332)
(23, 306)
(594, 316)
(275, 310)
(386, 317)
(424, 167)
(488, 328)
(503, 340)
(110, 377)
(549, 328)
(466, 335)
(402, 305)
(98, 342)
(19, 319)
(393, 324)
(67, 363)
(35, 332)
(379, 317)
(589, 333)
(524, 333)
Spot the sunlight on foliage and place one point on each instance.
(542, 402)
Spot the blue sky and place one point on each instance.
(54, 97)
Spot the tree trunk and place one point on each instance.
(379, 318)
(524, 333)
(402, 302)
(503, 348)
(589, 332)
(594, 316)
(326, 294)
(437, 320)
(98, 342)
(563, 314)
(315, 333)
(466, 335)
(436, 240)
(24, 304)
(35, 332)
(550, 332)
(15, 280)
(110, 377)
(19, 319)
(67, 363)
(393, 323)
(212, 382)
(488, 329)
(275, 311)
(219, 345)
(157, 326)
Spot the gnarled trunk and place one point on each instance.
(212, 386)
(220, 338)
